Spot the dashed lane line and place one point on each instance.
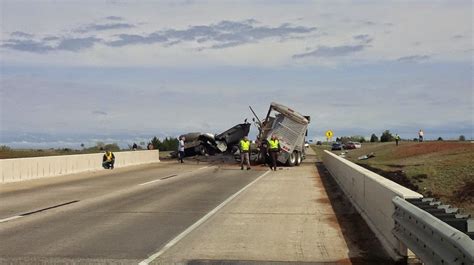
(36, 211)
(167, 177)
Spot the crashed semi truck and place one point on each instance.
(210, 144)
(290, 127)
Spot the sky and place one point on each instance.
(124, 71)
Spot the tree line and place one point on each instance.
(387, 136)
(168, 144)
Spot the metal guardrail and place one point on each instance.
(432, 240)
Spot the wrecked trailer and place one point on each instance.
(209, 144)
(290, 127)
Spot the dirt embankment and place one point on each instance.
(397, 176)
(405, 151)
(462, 197)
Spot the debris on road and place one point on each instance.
(365, 157)
(204, 144)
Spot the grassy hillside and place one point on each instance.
(444, 170)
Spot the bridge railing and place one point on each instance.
(20, 169)
(371, 194)
(399, 224)
(432, 240)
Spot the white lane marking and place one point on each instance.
(149, 182)
(197, 224)
(10, 218)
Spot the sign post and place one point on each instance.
(329, 135)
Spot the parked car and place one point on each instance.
(337, 146)
(350, 145)
(357, 145)
(319, 143)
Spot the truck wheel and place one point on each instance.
(201, 150)
(260, 158)
(291, 160)
(298, 158)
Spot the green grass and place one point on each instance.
(444, 170)
(165, 154)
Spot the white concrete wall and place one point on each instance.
(371, 194)
(19, 169)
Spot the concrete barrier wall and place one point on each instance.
(19, 169)
(371, 194)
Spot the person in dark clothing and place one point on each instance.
(274, 149)
(108, 160)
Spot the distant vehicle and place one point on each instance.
(350, 145)
(319, 143)
(337, 146)
(306, 145)
(357, 145)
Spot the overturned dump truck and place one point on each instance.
(210, 144)
(290, 127)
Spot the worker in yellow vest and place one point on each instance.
(108, 160)
(273, 150)
(244, 147)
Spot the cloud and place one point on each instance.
(364, 38)
(66, 44)
(99, 112)
(21, 34)
(369, 23)
(413, 58)
(50, 38)
(324, 51)
(130, 39)
(102, 27)
(227, 45)
(458, 36)
(76, 44)
(114, 18)
(27, 46)
(225, 33)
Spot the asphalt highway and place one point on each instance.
(118, 216)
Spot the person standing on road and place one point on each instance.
(420, 136)
(397, 138)
(181, 149)
(108, 160)
(274, 149)
(244, 147)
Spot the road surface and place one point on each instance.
(175, 213)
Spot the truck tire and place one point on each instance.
(261, 158)
(291, 160)
(299, 158)
(201, 150)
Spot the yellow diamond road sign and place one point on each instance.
(329, 134)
